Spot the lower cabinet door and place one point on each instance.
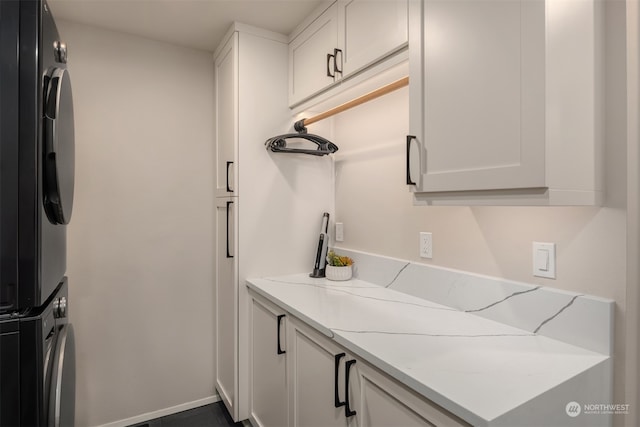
(326, 386)
(226, 305)
(268, 375)
(317, 380)
(384, 402)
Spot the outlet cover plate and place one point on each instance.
(426, 245)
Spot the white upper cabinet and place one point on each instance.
(312, 57)
(482, 76)
(369, 30)
(505, 96)
(341, 41)
(226, 98)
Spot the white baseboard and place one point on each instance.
(163, 412)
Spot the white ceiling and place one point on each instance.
(199, 24)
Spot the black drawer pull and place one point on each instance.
(336, 399)
(329, 74)
(280, 350)
(229, 254)
(335, 61)
(229, 189)
(409, 180)
(347, 411)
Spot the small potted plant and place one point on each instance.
(339, 267)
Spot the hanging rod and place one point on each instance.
(301, 125)
(278, 143)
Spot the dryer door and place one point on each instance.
(62, 392)
(58, 147)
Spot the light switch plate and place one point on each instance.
(544, 260)
(339, 232)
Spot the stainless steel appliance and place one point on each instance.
(37, 366)
(37, 373)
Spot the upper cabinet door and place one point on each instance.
(312, 65)
(369, 31)
(477, 97)
(343, 40)
(226, 97)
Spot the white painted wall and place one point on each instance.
(376, 207)
(141, 237)
(633, 208)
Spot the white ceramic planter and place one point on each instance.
(338, 273)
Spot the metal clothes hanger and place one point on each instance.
(278, 144)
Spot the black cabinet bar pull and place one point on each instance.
(409, 180)
(336, 399)
(280, 350)
(347, 410)
(335, 61)
(329, 56)
(229, 254)
(229, 190)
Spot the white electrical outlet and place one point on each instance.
(426, 245)
(339, 232)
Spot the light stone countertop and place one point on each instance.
(483, 371)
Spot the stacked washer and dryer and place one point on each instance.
(37, 352)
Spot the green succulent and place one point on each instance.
(338, 260)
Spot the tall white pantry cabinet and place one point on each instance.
(268, 205)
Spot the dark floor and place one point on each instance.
(214, 415)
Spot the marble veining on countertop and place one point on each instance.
(477, 368)
(585, 320)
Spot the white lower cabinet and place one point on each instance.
(384, 402)
(317, 368)
(268, 396)
(226, 301)
(303, 378)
